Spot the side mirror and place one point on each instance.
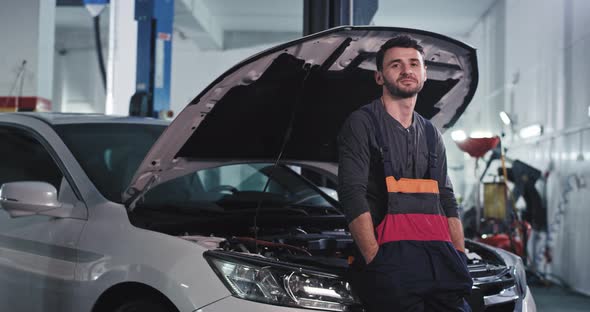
(29, 198)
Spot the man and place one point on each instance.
(398, 199)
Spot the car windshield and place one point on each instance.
(111, 153)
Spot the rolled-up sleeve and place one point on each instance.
(353, 167)
(445, 187)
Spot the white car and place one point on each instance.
(103, 213)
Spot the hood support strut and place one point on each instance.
(323, 67)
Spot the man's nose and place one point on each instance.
(406, 69)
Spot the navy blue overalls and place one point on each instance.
(417, 268)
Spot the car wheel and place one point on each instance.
(141, 306)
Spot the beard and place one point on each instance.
(403, 92)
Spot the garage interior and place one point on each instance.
(522, 146)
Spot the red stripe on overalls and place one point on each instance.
(413, 226)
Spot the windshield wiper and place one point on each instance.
(193, 209)
(269, 209)
(334, 210)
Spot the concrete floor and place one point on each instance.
(557, 299)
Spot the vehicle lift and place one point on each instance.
(154, 58)
(154, 55)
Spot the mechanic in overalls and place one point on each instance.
(398, 199)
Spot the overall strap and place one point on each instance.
(383, 148)
(431, 143)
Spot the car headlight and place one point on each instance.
(260, 280)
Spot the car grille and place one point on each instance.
(494, 286)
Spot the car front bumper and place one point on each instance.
(231, 303)
(528, 303)
(236, 304)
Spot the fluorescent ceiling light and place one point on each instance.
(481, 134)
(531, 131)
(458, 135)
(505, 118)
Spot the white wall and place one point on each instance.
(121, 59)
(14, 49)
(45, 48)
(27, 34)
(532, 56)
(77, 82)
(488, 38)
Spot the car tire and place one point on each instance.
(142, 306)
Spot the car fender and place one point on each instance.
(173, 266)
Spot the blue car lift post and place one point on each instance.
(154, 55)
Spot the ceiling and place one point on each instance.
(452, 17)
(258, 15)
(455, 18)
(227, 24)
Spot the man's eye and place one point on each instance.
(414, 64)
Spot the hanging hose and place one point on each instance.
(103, 74)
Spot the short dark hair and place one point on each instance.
(401, 41)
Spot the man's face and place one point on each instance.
(403, 72)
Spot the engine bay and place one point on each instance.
(329, 250)
(310, 242)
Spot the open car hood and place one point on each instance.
(309, 86)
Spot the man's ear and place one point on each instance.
(425, 73)
(379, 78)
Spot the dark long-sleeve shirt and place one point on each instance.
(360, 172)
